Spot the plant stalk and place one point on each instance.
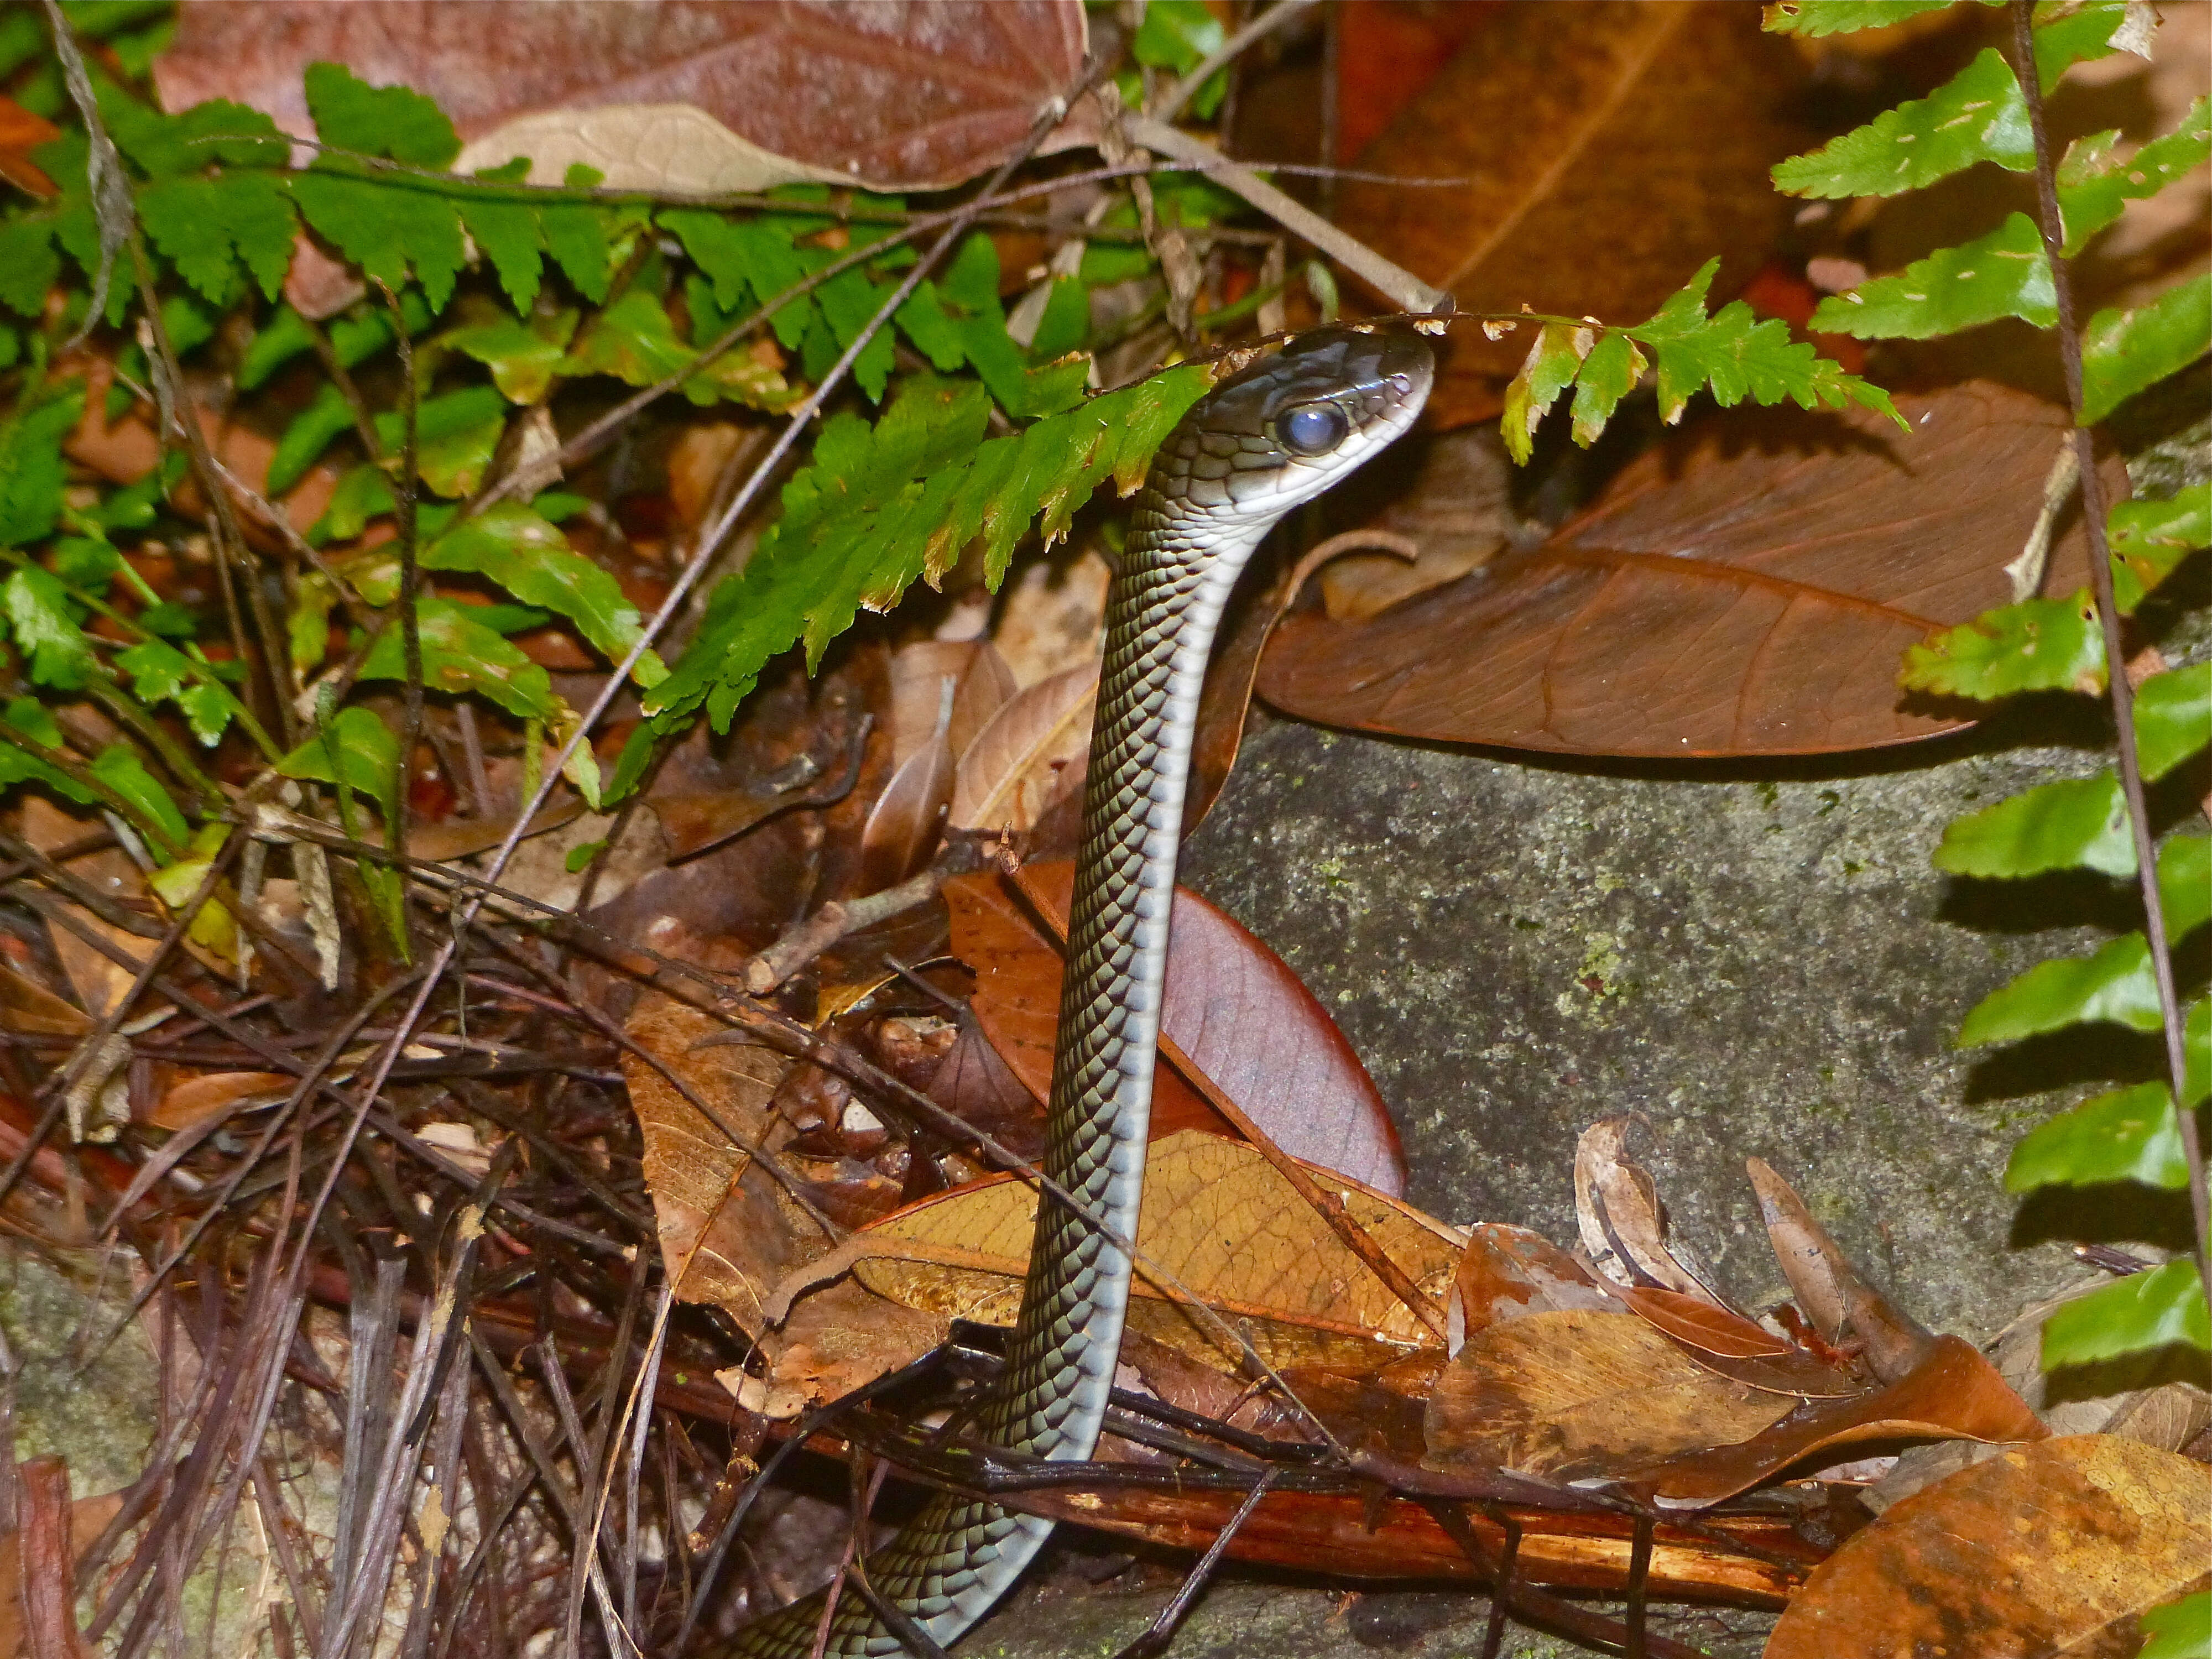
(2052, 222)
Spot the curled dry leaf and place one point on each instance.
(1841, 1304)
(981, 685)
(1456, 515)
(1218, 1218)
(1053, 617)
(1622, 1221)
(727, 1234)
(1029, 755)
(1634, 85)
(1583, 1393)
(98, 978)
(908, 819)
(1509, 1273)
(33, 1010)
(1231, 1006)
(193, 1100)
(1747, 587)
(893, 97)
(2049, 1549)
(1952, 1394)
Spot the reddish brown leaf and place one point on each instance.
(1509, 1273)
(900, 97)
(22, 133)
(1843, 1307)
(1748, 587)
(193, 1100)
(2050, 1549)
(1027, 755)
(908, 819)
(1609, 148)
(1696, 1324)
(1232, 1006)
(1953, 1393)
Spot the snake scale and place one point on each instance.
(1274, 435)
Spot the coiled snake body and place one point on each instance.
(1269, 438)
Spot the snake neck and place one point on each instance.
(1164, 608)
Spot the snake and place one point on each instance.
(1263, 441)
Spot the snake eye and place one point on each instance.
(1312, 429)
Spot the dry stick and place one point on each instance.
(1393, 281)
(2053, 224)
(1329, 1206)
(411, 580)
(1155, 1639)
(833, 922)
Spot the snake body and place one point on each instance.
(1264, 440)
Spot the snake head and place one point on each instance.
(1284, 428)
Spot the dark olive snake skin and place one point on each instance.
(1223, 479)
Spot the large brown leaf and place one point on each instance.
(896, 96)
(1232, 1006)
(2049, 1549)
(1748, 587)
(1220, 1219)
(1609, 147)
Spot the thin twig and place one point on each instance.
(2122, 694)
(1286, 11)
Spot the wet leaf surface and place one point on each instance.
(898, 99)
(1747, 587)
(2048, 1549)
(1231, 1004)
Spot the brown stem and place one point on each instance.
(2053, 224)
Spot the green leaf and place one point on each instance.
(2073, 32)
(206, 226)
(2124, 351)
(2131, 1134)
(119, 767)
(2179, 1630)
(388, 121)
(1066, 324)
(530, 558)
(19, 765)
(47, 631)
(632, 339)
(311, 432)
(455, 435)
(284, 337)
(1549, 369)
(523, 356)
(160, 671)
(1812, 19)
(745, 257)
(356, 747)
(1738, 356)
(387, 228)
(1179, 35)
(29, 265)
(2173, 718)
(506, 230)
(581, 856)
(2185, 885)
(2079, 822)
(29, 717)
(2150, 539)
(2095, 184)
(880, 507)
(971, 286)
(216, 131)
(2038, 645)
(2114, 984)
(461, 655)
(2144, 1310)
(361, 495)
(2004, 274)
(1609, 375)
(32, 472)
(1977, 115)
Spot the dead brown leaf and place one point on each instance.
(728, 1232)
(1218, 1218)
(1657, 124)
(1583, 1393)
(22, 133)
(1830, 1290)
(1231, 1006)
(1030, 753)
(1952, 1394)
(87, 1519)
(898, 97)
(2046, 1550)
(981, 685)
(32, 1009)
(1509, 1273)
(1747, 587)
(195, 1099)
